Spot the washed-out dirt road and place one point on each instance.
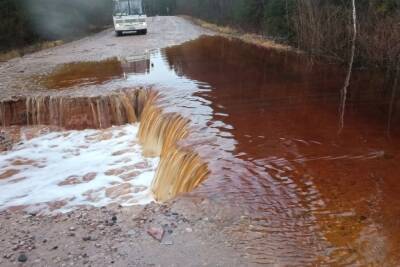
(191, 231)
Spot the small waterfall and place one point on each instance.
(180, 169)
(75, 112)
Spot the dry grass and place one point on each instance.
(28, 50)
(246, 37)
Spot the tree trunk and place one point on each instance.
(348, 77)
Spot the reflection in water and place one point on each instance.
(266, 124)
(393, 99)
(95, 72)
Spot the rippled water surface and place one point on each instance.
(268, 124)
(315, 192)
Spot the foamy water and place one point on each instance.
(60, 171)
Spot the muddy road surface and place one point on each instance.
(17, 75)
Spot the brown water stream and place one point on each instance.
(304, 182)
(264, 126)
(268, 125)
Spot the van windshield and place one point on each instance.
(128, 7)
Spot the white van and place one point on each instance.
(129, 16)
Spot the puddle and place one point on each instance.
(59, 171)
(78, 74)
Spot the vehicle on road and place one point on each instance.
(129, 16)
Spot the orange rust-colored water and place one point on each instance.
(268, 125)
(93, 72)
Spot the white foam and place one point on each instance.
(109, 153)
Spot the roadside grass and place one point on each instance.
(5, 56)
(246, 37)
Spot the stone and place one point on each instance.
(22, 257)
(86, 238)
(156, 232)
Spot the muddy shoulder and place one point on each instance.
(185, 232)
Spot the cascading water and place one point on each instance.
(180, 170)
(69, 112)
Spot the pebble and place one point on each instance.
(22, 257)
(156, 232)
(189, 230)
(86, 238)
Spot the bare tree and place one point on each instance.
(348, 77)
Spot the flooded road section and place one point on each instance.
(267, 124)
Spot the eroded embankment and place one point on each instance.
(180, 169)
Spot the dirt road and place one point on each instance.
(16, 75)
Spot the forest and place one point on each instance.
(24, 22)
(321, 27)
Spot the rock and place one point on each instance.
(22, 257)
(189, 230)
(156, 232)
(7, 256)
(72, 229)
(114, 219)
(86, 238)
